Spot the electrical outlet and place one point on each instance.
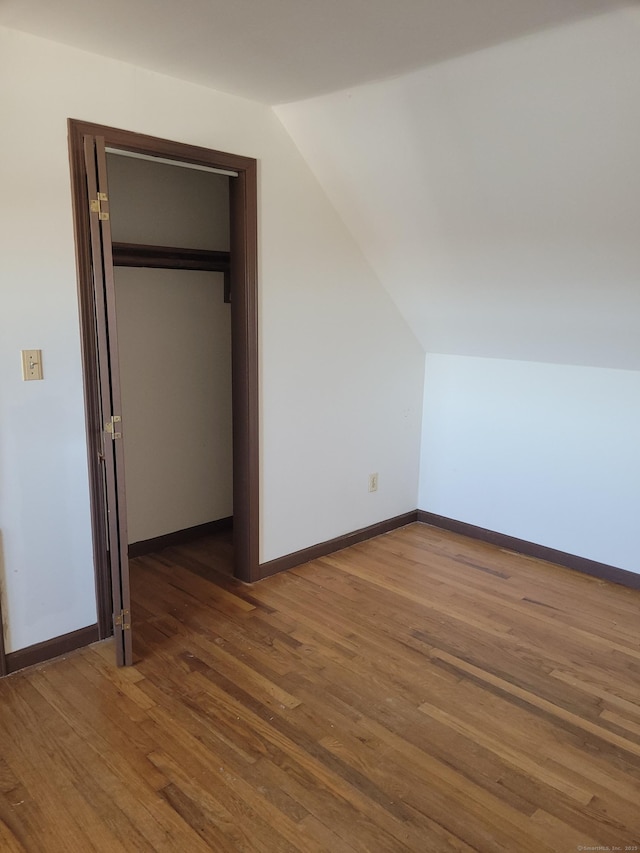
(31, 364)
(373, 482)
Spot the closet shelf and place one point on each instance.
(169, 257)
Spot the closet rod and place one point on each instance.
(120, 152)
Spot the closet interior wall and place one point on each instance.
(174, 337)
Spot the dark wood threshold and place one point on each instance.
(531, 549)
(53, 648)
(179, 537)
(322, 549)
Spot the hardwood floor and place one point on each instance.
(415, 692)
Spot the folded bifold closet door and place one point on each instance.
(111, 446)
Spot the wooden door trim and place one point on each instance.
(244, 319)
(3, 656)
(88, 341)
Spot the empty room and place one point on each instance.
(319, 417)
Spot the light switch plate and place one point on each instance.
(31, 364)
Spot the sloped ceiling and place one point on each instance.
(495, 190)
(283, 50)
(497, 195)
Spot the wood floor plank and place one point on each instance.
(416, 692)
(8, 841)
(34, 734)
(626, 744)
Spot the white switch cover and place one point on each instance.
(31, 364)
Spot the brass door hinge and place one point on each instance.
(96, 207)
(110, 427)
(122, 620)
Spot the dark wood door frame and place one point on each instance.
(3, 656)
(244, 337)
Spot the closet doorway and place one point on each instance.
(94, 150)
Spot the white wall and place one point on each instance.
(497, 196)
(174, 342)
(341, 374)
(544, 452)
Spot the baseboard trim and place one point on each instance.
(52, 648)
(531, 549)
(322, 549)
(3, 657)
(41, 652)
(179, 537)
